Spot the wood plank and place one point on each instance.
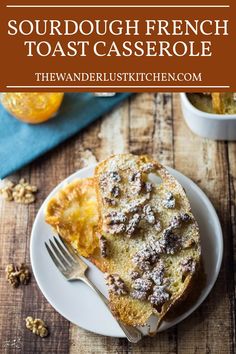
(232, 176)
(17, 304)
(209, 329)
(141, 124)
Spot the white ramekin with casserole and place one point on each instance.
(210, 115)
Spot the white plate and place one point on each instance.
(78, 303)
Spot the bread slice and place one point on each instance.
(150, 239)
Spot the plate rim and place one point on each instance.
(208, 288)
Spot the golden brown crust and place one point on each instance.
(72, 212)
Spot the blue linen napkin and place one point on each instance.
(21, 143)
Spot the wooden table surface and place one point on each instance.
(146, 123)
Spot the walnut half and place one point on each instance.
(36, 326)
(22, 192)
(17, 275)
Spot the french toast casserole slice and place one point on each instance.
(151, 237)
(134, 221)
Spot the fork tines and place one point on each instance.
(63, 257)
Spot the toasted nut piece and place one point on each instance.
(18, 275)
(21, 193)
(37, 326)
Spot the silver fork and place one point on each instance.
(73, 267)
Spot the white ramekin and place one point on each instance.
(208, 125)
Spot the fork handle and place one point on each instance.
(133, 334)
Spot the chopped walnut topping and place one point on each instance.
(189, 243)
(136, 182)
(177, 220)
(116, 229)
(110, 201)
(159, 295)
(155, 245)
(22, 192)
(115, 222)
(142, 284)
(145, 257)
(147, 275)
(103, 182)
(152, 286)
(114, 176)
(169, 242)
(133, 224)
(147, 167)
(169, 201)
(188, 265)
(115, 191)
(18, 275)
(158, 226)
(103, 246)
(150, 253)
(115, 217)
(157, 274)
(142, 265)
(148, 187)
(134, 275)
(115, 284)
(135, 176)
(36, 326)
(149, 214)
(185, 217)
(108, 179)
(139, 295)
(133, 207)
